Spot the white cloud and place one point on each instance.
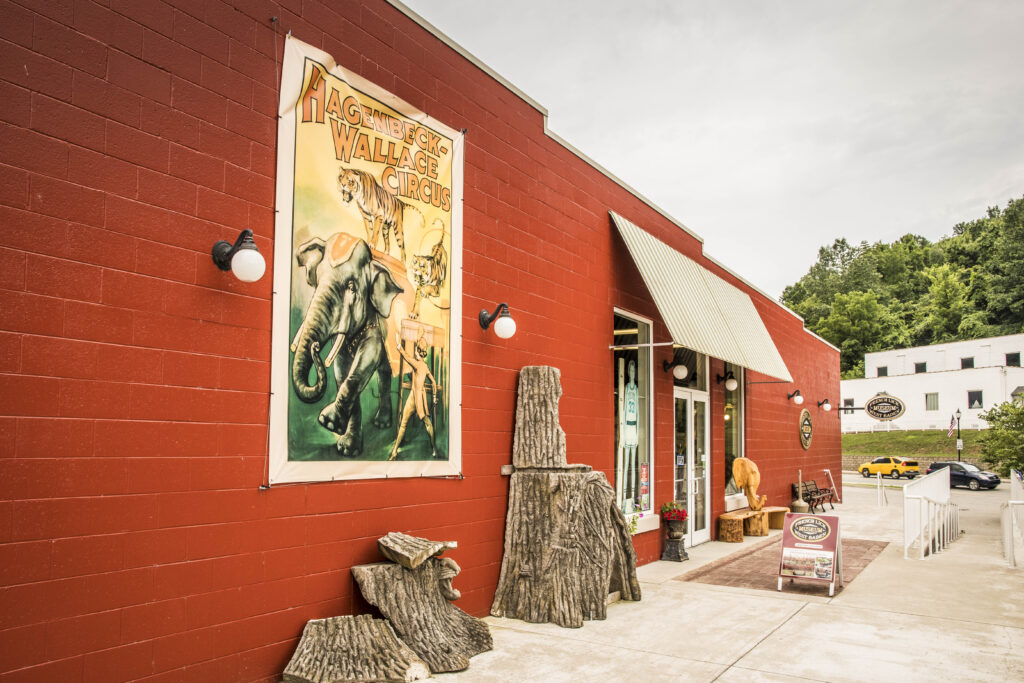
(789, 123)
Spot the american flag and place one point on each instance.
(952, 426)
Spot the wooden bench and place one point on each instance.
(733, 525)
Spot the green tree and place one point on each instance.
(944, 307)
(1002, 444)
(1006, 289)
(856, 372)
(859, 323)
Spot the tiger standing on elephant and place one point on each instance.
(382, 211)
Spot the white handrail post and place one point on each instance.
(922, 509)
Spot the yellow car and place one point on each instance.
(890, 467)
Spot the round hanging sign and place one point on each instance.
(884, 407)
(806, 428)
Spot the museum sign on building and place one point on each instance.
(194, 462)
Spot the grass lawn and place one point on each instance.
(919, 444)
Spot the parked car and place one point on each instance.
(891, 467)
(966, 474)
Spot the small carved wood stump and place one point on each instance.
(352, 649)
(776, 516)
(567, 544)
(730, 529)
(416, 603)
(756, 524)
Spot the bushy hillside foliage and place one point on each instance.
(912, 292)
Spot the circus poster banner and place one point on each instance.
(367, 281)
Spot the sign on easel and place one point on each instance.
(812, 549)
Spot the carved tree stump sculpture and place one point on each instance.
(414, 595)
(352, 649)
(567, 544)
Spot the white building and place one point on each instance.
(934, 381)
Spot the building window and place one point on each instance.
(1013, 359)
(931, 401)
(967, 363)
(974, 400)
(733, 426)
(631, 388)
(883, 371)
(848, 406)
(920, 367)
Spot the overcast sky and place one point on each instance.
(772, 128)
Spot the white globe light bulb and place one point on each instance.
(731, 384)
(505, 326)
(680, 372)
(827, 407)
(798, 399)
(248, 265)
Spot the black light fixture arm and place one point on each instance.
(822, 402)
(224, 251)
(487, 318)
(789, 397)
(728, 375)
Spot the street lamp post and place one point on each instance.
(959, 443)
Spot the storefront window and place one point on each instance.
(733, 417)
(631, 388)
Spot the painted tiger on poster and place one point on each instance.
(429, 273)
(382, 211)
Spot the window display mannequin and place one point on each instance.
(629, 413)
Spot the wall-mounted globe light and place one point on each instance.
(242, 258)
(504, 324)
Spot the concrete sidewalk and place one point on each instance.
(958, 616)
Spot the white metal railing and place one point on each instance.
(883, 498)
(940, 527)
(1013, 518)
(930, 520)
(832, 483)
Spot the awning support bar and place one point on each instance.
(617, 347)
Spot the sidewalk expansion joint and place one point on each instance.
(761, 640)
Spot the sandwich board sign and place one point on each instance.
(812, 549)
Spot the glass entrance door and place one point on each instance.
(692, 463)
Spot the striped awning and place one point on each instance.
(703, 312)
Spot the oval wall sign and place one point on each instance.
(806, 428)
(884, 407)
(810, 529)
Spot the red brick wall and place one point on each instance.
(134, 540)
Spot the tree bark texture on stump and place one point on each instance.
(567, 544)
(352, 649)
(416, 603)
(539, 440)
(730, 529)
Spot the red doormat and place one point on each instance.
(759, 568)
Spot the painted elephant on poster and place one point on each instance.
(352, 295)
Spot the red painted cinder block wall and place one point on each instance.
(135, 543)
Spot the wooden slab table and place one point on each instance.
(733, 525)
